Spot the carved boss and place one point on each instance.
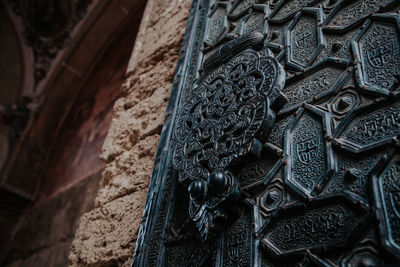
(221, 122)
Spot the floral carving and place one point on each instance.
(220, 123)
(224, 114)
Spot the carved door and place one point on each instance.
(281, 140)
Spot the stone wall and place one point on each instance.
(107, 234)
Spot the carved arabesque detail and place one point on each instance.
(219, 124)
(296, 183)
(224, 114)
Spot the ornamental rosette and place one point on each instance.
(221, 123)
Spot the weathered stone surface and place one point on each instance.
(107, 235)
(162, 25)
(145, 95)
(129, 172)
(133, 120)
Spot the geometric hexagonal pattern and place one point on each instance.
(304, 38)
(377, 52)
(386, 185)
(369, 126)
(309, 158)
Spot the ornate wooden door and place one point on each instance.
(281, 140)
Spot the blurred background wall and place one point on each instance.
(80, 80)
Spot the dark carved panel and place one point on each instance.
(349, 12)
(314, 83)
(309, 157)
(180, 253)
(281, 143)
(370, 126)
(304, 38)
(236, 243)
(351, 176)
(321, 224)
(378, 52)
(386, 187)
